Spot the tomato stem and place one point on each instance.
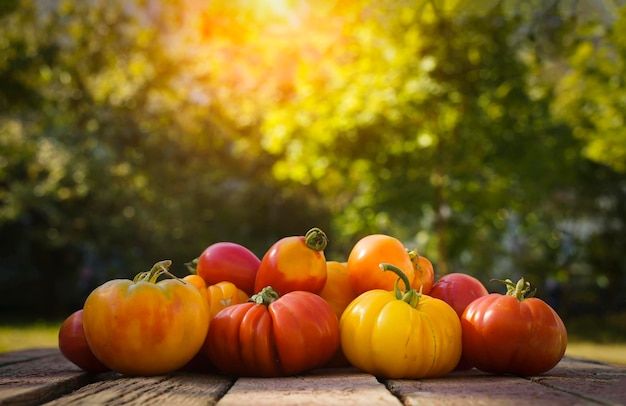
(192, 266)
(265, 297)
(158, 269)
(316, 239)
(410, 296)
(520, 290)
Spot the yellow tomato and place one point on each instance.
(144, 327)
(407, 335)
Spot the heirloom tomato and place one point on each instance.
(366, 256)
(144, 327)
(424, 273)
(395, 334)
(273, 335)
(219, 295)
(294, 263)
(227, 261)
(512, 333)
(337, 290)
(458, 290)
(73, 344)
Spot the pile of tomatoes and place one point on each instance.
(291, 311)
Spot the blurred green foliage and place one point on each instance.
(487, 134)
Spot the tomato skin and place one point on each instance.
(502, 334)
(73, 344)
(424, 274)
(222, 295)
(228, 261)
(337, 290)
(388, 337)
(366, 256)
(291, 264)
(294, 333)
(144, 328)
(458, 290)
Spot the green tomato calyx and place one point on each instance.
(265, 297)
(520, 290)
(158, 269)
(316, 239)
(410, 296)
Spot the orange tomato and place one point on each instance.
(222, 295)
(364, 263)
(424, 273)
(294, 263)
(144, 327)
(337, 290)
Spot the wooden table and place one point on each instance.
(43, 376)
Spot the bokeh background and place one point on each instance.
(489, 135)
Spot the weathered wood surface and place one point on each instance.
(43, 376)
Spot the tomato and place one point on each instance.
(273, 335)
(294, 263)
(405, 335)
(222, 295)
(459, 290)
(424, 273)
(227, 261)
(337, 290)
(512, 333)
(144, 327)
(366, 256)
(74, 347)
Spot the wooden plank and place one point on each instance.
(177, 389)
(595, 381)
(474, 387)
(342, 386)
(8, 358)
(36, 377)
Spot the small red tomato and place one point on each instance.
(294, 263)
(73, 345)
(459, 290)
(513, 334)
(230, 262)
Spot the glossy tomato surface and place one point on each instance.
(291, 334)
(458, 290)
(390, 338)
(144, 328)
(294, 263)
(73, 344)
(502, 334)
(424, 273)
(231, 262)
(366, 256)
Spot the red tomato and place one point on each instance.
(459, 290)
(294, 263)
(273, 336)
(230, 262)
(364, 263)
(424, 273)
(513, 334)
(74, 347)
